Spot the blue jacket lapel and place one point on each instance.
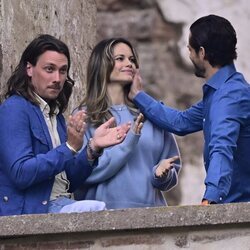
(43, 125)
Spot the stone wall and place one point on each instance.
(159, 30)
(185, 227)
(73, 21)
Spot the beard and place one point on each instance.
(198, 70)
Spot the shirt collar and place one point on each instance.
(221, 76)
(44, 106)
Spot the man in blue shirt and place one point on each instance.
(223, 113)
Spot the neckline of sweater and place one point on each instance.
(119, 107)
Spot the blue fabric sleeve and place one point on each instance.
(24, 152)
(78, 170)
(113, 159)
(226, 115)
(177, 122)
(167, 182)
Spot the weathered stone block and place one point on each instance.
(73, 21)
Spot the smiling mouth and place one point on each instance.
(128, 72)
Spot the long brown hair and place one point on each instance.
(100, 65)
(20, 83)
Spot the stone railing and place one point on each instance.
(190, 227)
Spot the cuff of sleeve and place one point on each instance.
(63, 148)
(212, 194)
(163, 178)
(142, 100)
(131, 138)
(71, 148)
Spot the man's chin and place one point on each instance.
(51, 97)
(199, 74)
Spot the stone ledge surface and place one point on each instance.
(127, 219)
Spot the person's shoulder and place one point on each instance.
(236, 87)
(15, 99)
(16, 102)
(77, 109)
(233, 95)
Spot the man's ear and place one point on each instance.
(29, 69)
(202, 52)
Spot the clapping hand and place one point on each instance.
(138, 124)
(106, 135)
(75, 129)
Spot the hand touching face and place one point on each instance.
(136, 85)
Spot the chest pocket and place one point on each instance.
(39, 141)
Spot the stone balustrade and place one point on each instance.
(190, 227)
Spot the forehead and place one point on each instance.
(122, 48)
(53, 57)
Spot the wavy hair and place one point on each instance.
(20, 83)
(100, 65)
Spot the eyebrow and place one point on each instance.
(123, 55)
(52, 64)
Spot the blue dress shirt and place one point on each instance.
(224, 116)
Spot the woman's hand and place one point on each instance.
(138, 124)
(165, 165)
(106, 135)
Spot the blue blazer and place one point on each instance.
(28, 162)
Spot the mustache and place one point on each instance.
(55, 86)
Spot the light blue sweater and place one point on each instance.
(124, 175)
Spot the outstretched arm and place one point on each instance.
(163, 116)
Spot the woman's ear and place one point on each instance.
(29, 69)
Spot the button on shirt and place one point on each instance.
(61, 184)
(224, 116)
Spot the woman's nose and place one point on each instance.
(128, 62)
